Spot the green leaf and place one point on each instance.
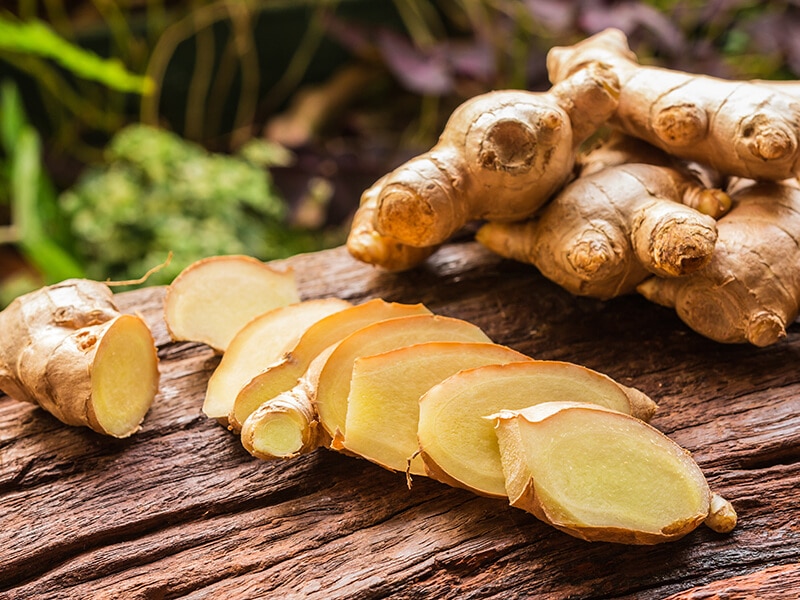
(26, 182)
(36, 38)
(12, 116)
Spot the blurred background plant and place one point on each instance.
(138, 127)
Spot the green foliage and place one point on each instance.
(158, 193)
(36, 227)
(35, 38)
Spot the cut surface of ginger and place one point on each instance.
(457, 442)
(124, 376)
(383, 403)
(281, 428)
(214, 297)
(262, 342)
(332, 385)
(283, 376)
(600, 475)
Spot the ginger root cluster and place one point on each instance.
(686, 192)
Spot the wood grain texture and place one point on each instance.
(181, 510)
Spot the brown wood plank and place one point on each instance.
(181, 510)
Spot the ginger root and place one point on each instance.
(606, 232)
(750, 290)
(500, 157)
(68, 349)
(747, 129)
(367, 245)
(601, 475)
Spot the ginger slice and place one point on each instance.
(261, 343)
(317, 405)
(601, 475)
(383, 404)
(458, 444)
(332, 384)
(69, 350)
(213, 298)
(283, 376)
(285, 426)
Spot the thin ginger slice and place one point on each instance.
(313, 413)
(601, 475)
(456, 440)
(213, 298)
(332, 383)
(261, 343)
(383, 404)
(284, 375)
(69, 350)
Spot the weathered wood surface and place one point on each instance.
(181, 510)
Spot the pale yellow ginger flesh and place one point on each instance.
(750, 290)
(318, 402)
(515, 147)
(383, 403)
(213, 298)
(602, 475)
(124, 377)
(287, 425)
(458, 443)
(606, 232)
(333, 382)
(68, 349)
(741, 128)
(261, 343)
(284, 427)
(284, 375)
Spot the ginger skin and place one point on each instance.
(750, 290)
(67, 349)
(500, 157)
(367, 245)
(747, 129)
(606, 232)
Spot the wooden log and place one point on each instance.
(181, 510)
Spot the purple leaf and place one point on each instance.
(421, 72)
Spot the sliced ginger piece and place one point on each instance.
(383, 404)
(332, 385)
(69, 350)
(322, 392)
(287, 425)
(602, 475)
(458, 444)
(214, 297)
(261, 343)
(284, 427)
(284, 375)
